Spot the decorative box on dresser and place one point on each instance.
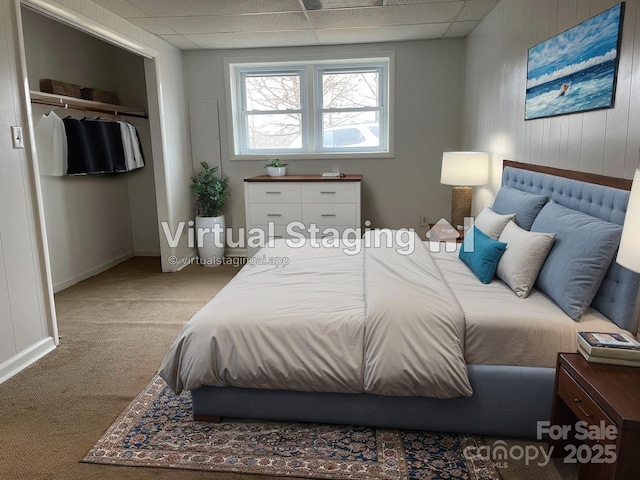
(309, 199)
(606, 399)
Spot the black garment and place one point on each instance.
(94, 146)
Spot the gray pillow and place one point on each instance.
(579, 258)
(490, 223)
(522, 260)
(525, 205)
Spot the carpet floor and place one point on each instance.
(115, 328)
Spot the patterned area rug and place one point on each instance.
(157, 430)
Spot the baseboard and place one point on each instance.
(147, 253)
(90, 273)
(25, 358)
(180, 265)
(235, 252)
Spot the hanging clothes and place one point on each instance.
(131, 143)
(101, 146)
(51, 144)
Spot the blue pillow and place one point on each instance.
(481, 253)
(525, 205)
(579, 259)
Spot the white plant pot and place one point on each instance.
(212, 232)
(276, 171)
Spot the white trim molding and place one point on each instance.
(25, 358)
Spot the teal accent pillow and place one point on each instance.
(481, 253)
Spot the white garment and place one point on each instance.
(51, 144)
(132, 152)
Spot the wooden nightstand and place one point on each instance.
(602, 396)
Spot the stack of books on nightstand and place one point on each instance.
(609, 348)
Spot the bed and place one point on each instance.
(393, 349)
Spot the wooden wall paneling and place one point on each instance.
(615, 142)
(7, 340)
(592, 152)
(632, 151)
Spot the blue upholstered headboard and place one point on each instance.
(617, 295)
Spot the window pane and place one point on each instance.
(272, 92)
(350, 130)
(275, 131)
(350, 90)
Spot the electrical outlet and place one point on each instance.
(424, 220)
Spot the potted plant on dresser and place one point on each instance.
(212, 192)
(275, 168)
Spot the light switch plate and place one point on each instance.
(16, 135)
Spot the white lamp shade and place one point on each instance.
(465, 169)
(629, 252)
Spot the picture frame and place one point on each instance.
(576, 70)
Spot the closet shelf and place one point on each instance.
(81, 104)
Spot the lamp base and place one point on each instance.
(460, 205)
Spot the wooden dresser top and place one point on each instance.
(304, 178)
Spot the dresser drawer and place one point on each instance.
(579, 401)
(329, 214)
(276, 192)
(278, 214)
(329, 192)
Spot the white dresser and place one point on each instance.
(308, 200)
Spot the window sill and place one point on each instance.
(315, 156)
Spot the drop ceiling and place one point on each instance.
(217, 24)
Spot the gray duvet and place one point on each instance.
(377, 322)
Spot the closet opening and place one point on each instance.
(99, 198)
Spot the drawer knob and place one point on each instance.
(274, 193)
(327, 214)
(327, 193)
(578, 402)
(274, 214)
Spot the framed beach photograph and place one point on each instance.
(576, 70)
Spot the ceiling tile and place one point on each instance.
(259, 39)
(173, 8)
(122, 8)
(460, 29)
(381, 34)
(378, 16)
(153, 25)
(180, 41)
(476, 9)
(238, 23)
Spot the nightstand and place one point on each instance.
(607, 399)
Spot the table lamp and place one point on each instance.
(463, 170)
(629, 251)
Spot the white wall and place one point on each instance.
(604, 142)
(428, 105)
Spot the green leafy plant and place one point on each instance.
(275, 163)
(211, 190)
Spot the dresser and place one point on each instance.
(300, 202)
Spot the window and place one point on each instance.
(310, 109)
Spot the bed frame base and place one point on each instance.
(206, 418)
(507, 401)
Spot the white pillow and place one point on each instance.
(522, 260)
(492, 223)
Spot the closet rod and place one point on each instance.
(80, 104)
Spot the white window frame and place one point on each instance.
(310, 68)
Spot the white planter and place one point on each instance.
(276, 171)
(212, 232)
